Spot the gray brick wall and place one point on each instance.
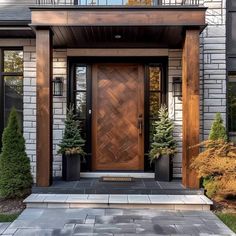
(213, 66)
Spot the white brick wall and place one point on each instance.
(59, 107)
(175, 107)
(30, 102)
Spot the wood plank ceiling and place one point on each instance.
(118, 36)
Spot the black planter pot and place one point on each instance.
(70, 167)
(163, 168)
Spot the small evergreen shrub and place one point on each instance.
(72, 142)
(218, 130)
(15, 175)
(163, 140)
(216, 164)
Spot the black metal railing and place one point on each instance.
(118, 2)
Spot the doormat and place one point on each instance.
(116, 179)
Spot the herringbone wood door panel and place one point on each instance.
(117, 104)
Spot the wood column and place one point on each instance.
(44, 107)
(191, 106)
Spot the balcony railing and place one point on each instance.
(118, 2)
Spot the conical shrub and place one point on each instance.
(218, 130)
(15, 175)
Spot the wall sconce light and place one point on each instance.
(177, 87)
(58, 86)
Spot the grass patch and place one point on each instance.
(229, 219)
(8, 217)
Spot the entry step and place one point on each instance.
(165, 202)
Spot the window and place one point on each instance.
(155, 95)
(11, 84)
(232, 103)
(81, 95)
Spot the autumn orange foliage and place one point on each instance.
(217, 161)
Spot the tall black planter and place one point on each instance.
(70, 167)
(163, 168)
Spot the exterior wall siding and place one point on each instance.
(175, 107)
(213, 66)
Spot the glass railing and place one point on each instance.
(118, 2)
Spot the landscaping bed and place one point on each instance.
(226, 211)
(10, 209)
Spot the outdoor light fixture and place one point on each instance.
(118, 36)
(177, 87)
(57, 86)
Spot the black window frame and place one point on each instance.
(89, 61)
(231, 74)
(2, 91)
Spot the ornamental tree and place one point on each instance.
(163, 141)
(15, 175)
(72, 142)
(218, 130)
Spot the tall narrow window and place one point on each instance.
(232, 103)
(155, 95)
(81, 95)
(11, 81)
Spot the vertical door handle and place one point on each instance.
(140, 124)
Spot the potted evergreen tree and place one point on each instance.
(71, 148)
(163, 146)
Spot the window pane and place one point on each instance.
(81, 78)
(13, 96)
(154, 78)
(154, 101)
(232, 104)
(13, 61)
(81, 104)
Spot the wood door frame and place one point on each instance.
(89, 61)
(141, 77)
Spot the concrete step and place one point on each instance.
(162, 202)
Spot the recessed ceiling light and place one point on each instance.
(118, 36)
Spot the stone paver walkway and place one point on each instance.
(115, 222)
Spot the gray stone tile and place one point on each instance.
(3, 227)
(159, 199)
(118, 199)
(112, 211)
(84, 228)
(115, 228)
(56, 198)
(34, 232)
(138, 199)
(63, 222)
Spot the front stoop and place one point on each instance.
(161, 202)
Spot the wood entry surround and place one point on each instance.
(117, 120)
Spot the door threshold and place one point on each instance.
(142, 175)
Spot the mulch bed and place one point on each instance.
(11, 206)
(226, 206)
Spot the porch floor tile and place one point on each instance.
(96, 186)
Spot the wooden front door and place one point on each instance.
(117, 117)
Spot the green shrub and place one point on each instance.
(218, 130)
(15, 176)
(72, 142)
(163, 140)
(211, 186)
